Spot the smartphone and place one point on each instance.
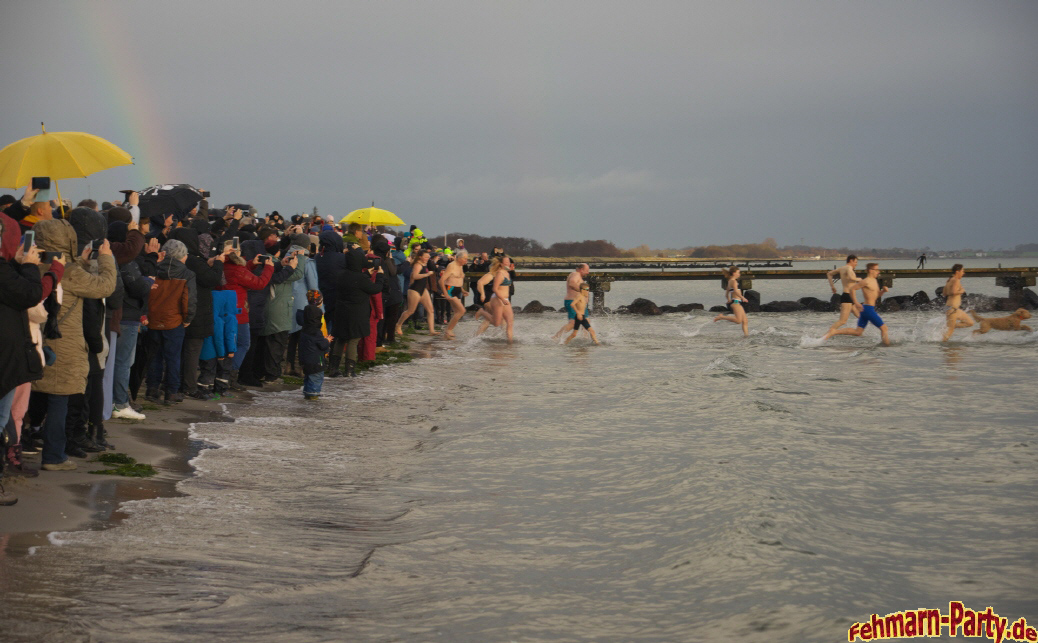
(205, 194)
(236, 243)
(29, 241)
(41, 182)
(48, 256)
(261, 258)
(93, 250)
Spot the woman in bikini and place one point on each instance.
(498, 307)
(418, 292)
(736, 299)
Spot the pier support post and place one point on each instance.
(1016, 285)
(599, 285)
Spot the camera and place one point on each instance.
(373, 263)
(41, 182)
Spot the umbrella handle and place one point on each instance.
(61, 204)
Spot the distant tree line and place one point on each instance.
(523, 247)
(767, 249)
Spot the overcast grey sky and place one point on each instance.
(879, 123)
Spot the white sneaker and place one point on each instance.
(127, 414)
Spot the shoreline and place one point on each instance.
(81, 501)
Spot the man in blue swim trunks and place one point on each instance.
(870, 292)
(573, 282)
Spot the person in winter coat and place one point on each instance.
(353, 311)
(312, 345)
(331, 263)
(243, 276)
(172, 306)
(366, 347)
(126, 242)
(392, 295)
(136, 288)
(308, 267)
(21, 290)
(250, 373)
(208, 275)
(280, 310)
(84, 421)
(68, 375)
(221, 344)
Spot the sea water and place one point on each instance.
(678, 483)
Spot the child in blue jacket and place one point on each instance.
(313, 345)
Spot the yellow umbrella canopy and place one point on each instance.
(372, 216)
(59, 155)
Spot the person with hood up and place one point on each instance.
(308, 267)
(21, 292)
(84, 424)
(68, 375)
(251, 372)
(331, 263)
(313, 345)
(244, 275)
(172, 306)
(353, 311)
(208, 275)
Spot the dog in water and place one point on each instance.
(1009, 322)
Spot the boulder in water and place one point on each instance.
(782, 307)
(668, 309)
(1030, 299)
(687, 308)
(718, 309)
(816, 304)
(921, 298)
(644, 307)
(889, 306)
(534, 307)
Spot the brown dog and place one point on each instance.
(1009, 322)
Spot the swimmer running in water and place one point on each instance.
(953, 292)
(573, 282)
(847, 300)
(580, 310)
(418, 292)
(870, 291)
(450, 285)
(736, 299)
(491, 312)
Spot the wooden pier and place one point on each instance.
(1015, 279)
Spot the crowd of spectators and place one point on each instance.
(100, 308)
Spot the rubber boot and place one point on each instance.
(351, 368)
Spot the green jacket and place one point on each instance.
(280, 308)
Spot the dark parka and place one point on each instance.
(259, 299)
(331, 263)
(312, 343)
(91, 227)
(207, 279)
(20, 290)
(135, 285)
(353, 308)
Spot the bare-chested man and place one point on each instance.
(847, 300)
(870, 292)
(573, 282)
(953, 292)
(451, 280)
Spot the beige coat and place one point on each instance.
(68, 374)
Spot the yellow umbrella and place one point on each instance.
(372, 216)
(59, 155)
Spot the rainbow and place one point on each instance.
(131, 110)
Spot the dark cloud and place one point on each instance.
(870, 123)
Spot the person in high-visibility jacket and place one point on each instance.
(417, 239)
